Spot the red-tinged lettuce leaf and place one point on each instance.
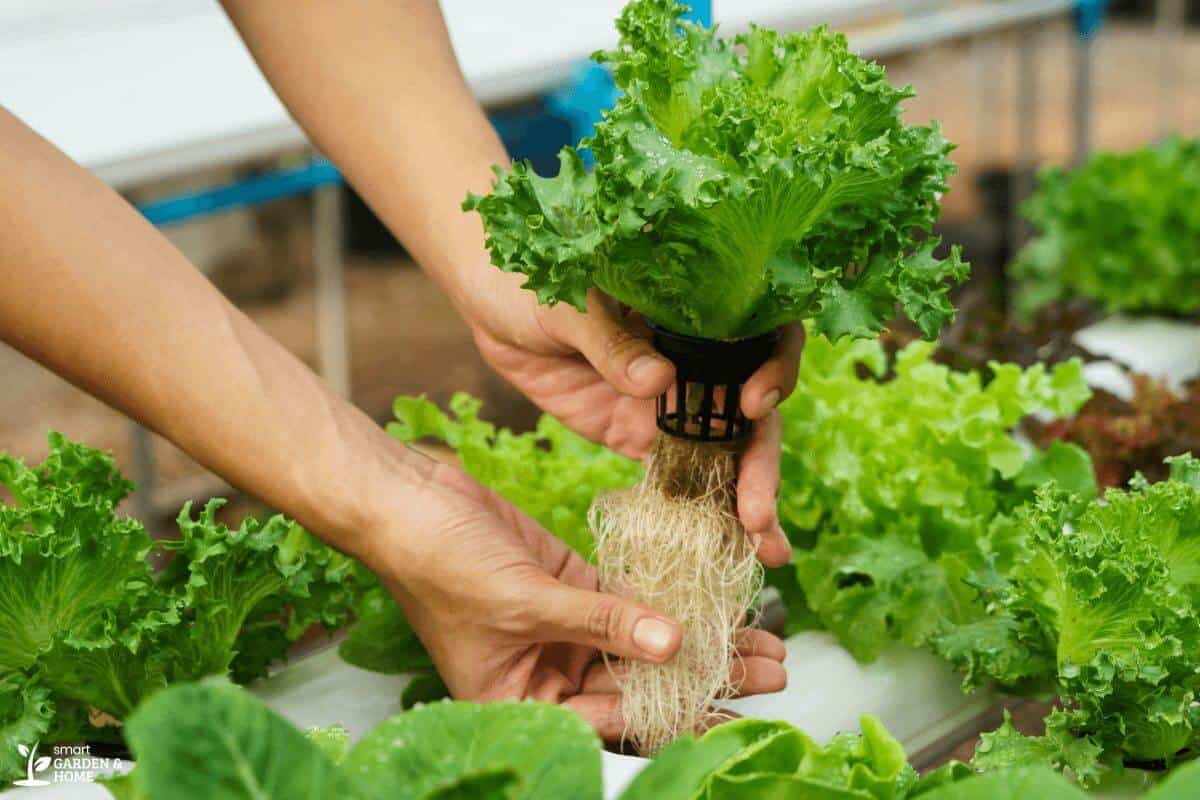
(738, 186)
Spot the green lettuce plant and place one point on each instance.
(738, 185)
(1096, 603)
(216, 740)
(893, 470)
(1122, 231)
(86, 624)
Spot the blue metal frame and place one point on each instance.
(1089, 17)
(702, 12)
(241, 194)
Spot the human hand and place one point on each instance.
(507, 611)
(599, 373)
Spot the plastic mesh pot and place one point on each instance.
(709, 374)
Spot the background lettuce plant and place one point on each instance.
(1122, 231)
(893, 470)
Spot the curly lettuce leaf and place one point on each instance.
(251, 590)
(1122, 231)
(738, 186)
(25, 716)
(83, 613)
(891, 476)
(1058, 749)
(73, 573)
(1099, 602)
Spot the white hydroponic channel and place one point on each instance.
(1162, 348)
(914, 693)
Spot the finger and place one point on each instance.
(618, 349)
(773, 381)
(754, 646)
(602, 712)
(757, 642)
(757, 675)
(601, 678)
(758, 491)
(608, 623)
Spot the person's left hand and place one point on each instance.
(599, 373)
(507, 611)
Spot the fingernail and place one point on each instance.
(771, 399)
(642, 367)
(653, 636)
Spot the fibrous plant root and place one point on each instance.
(674, 543)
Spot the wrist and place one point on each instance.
(403, 517)
(358, 488)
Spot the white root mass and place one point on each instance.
(674, 543)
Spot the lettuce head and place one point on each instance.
(738, 185)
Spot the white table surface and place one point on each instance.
(142, 89)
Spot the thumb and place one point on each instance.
(613, 624)
(622, 354)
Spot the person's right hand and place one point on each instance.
(507, 610)
(599, 374)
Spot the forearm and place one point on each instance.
(93, 292)
(377, 87)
